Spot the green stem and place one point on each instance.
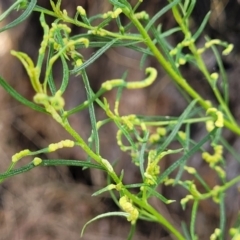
(85, 26)
(89, 152)
(221, 189)
(173, 74)
(193, 219)
(165, 63)
(170, 122)
(158, 217)
(202, 66)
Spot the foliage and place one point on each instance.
(145, 146)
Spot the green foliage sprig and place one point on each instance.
(148, 138)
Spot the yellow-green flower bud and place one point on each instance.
(221, 173)
(182, 61)
(214, 76)
(79, 62)
(193, 190)
(37, 161)
(128, 122)
(143, 126)
(187, 42)
(173, 52)
(81, 11)
(119, 186)
(146, 82)
(52, 147)
(216, 234)
(201, 50)
(234, 232)
(220, 120)
(127, 206)
(208, 103)
(216, 157)
(190, 170)
(65, 12)
(184, 201)
(210, 125)
(219, 117)
(154, 138)
(108, 85)
(161, 131)
(168, 182)
(57, 101)
(116, 13)
(20, 155)
(212, 42)
(142, 15)
(228, 49)
(68, 143)
(182, 135)
(40, 98)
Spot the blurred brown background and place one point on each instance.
(55, 202)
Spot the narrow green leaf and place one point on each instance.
(141, 154)
(65, 74)
(230, 149)
(121, 4)
(202, 26)
(223, 218)
(21, 18)
(126, 134)
(225, 83)
(104, 23)
(165, 47)
(159, 196)
(10, 9)
(131, 232)
(69, 162)
(134, 185)
(51, 162)
(177, 127)
(19, 97)
(110, 214)
(193, 220)
(186, 156)
(190, 9)
(50, 79)
(94, 57)
(90, 95)
(160, 13)
(186, 148)
(14, 172)
(105, 189)
(185, 231)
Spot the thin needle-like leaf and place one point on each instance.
(19, 97)
(94, 57)
(21, 18)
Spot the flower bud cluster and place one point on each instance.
(64, 143)
(56, 102)
(19, 155)
(216, 234)
(153, 169)
(218, 119)
(214, 158)
(112, 14)
(127, 206)
(155, 137)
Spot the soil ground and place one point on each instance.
(55, 202)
